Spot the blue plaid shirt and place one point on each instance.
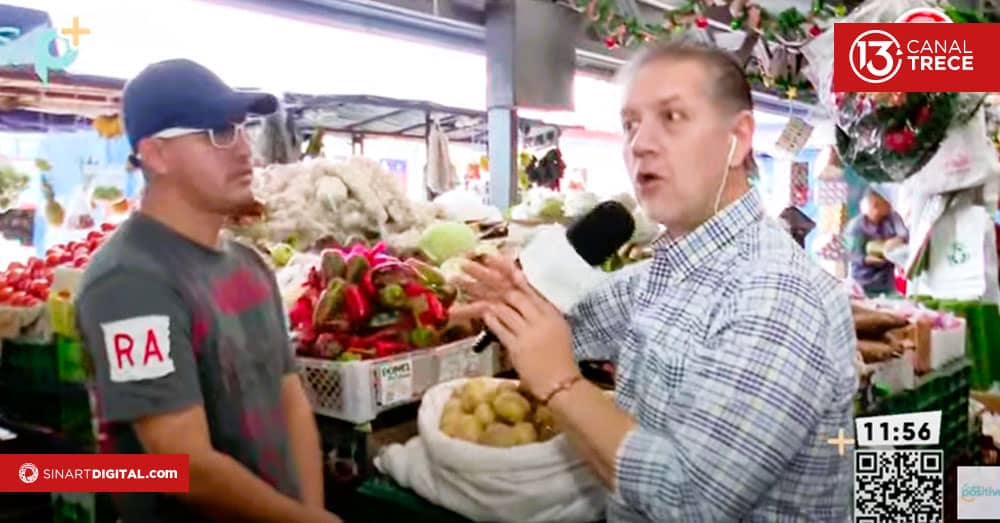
(735, 354)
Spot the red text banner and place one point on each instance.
(915, 57)
(93, 473)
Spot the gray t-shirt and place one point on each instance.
(171, 324)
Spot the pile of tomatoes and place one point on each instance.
(27, 284)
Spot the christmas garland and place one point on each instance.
(888, 137)
(791, 28)
(619, 30)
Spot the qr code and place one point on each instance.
(898, 485)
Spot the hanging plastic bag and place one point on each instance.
(962, 257)
(80, 211)
(12, 184)
(965, 159)
(440, 174)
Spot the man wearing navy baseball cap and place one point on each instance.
(186, 329)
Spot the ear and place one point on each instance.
(151, 155)
(743, 131)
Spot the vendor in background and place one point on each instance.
(734, 351)
(186, 330)
(877, 230)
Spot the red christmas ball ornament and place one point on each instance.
(838, 99)
(900, 141)
(923, 115)
(611, 42)
(815, 30)
(701, 22)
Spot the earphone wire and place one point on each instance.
(725, 176)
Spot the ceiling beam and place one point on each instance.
(441, 22)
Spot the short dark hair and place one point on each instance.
(728, 83)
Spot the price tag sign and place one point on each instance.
(454, 365)
(899, 430)
(795, 136)
(395, 380)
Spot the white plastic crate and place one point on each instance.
(357, 391)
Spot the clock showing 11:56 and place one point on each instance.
(916, 428)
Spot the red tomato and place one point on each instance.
(15, 275)
(108, 227)
(14, 266)
(93, 245)
(39, 288)
(6, 293)
(95, 235)
(81, 261)
(35, 264)
(17, 298)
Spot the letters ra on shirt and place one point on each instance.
(138, 348)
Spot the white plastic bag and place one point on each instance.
(542, 482)
(962, 264)
(965, 159)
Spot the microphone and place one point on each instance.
(561, 266)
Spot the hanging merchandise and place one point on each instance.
(964, 160)
(799, 183)
(108, 126)
(958, 258)
(831, 173)
(440, 174)
(79, 211)
(887, 136)
(832, 218)
(832, 248)
(548, 171)
(12, 184)
(794, 136)
(831, 192)
(55, 215)
(278, 141)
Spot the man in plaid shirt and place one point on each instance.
(734, 352)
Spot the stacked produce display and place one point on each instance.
(24, 287)
(318, 200)
(361, 303)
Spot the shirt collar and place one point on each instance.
(684, 254)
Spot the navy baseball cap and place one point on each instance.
(182, 94)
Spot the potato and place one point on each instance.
(450, 417)
(525, 433)
(499, 435)
(507, 386)
(511, 407)
(452, 405)
(547, 432)
(543, 417)
(468, 428)
(475, 392)
(484, 413)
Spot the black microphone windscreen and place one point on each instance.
(598, 234)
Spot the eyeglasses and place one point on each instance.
(222, 138)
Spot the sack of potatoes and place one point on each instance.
(491, 452)
(496, 414)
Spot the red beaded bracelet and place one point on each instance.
(563, 385)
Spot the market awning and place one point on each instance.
(379, 116)
(65, 94)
